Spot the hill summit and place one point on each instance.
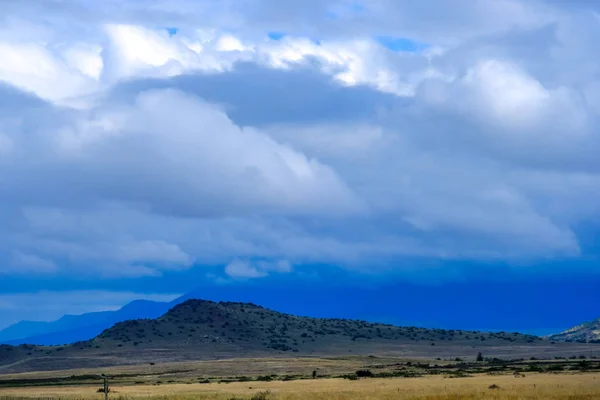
(588, 332)
(249, 327)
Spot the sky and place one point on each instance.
(149, 148)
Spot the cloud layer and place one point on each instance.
(140, 141)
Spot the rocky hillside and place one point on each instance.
(588, 332)
(251, 327)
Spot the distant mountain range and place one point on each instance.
(367, 303)
(588, 332)
(73, 328)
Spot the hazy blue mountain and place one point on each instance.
(73, 328)
(26, 329)
(61, 337)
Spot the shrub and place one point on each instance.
(364, 373)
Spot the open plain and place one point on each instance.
(336, 378)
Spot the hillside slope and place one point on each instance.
(588, 332)
(248, 326)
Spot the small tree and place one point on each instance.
(479, 356)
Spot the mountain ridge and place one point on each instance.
(202, 330)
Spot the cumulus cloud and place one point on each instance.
(244, 269)
(167, 153)
(174, 154)
(133, 150)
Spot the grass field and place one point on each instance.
(536, 386)
(246, 379)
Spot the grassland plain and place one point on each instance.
(291, 379)
(534, 386)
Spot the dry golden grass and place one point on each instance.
(218, 368)
(535, 386)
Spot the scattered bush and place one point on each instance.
(364, 373)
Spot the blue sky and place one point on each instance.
(430, 147)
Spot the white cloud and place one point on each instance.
(176, 154)
(152, 151)
(503, 94)
(155, 251)
(283, 266)
(243, 269)
(121, 51)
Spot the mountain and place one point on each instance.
(588, 332)
(398, 303)
(201, 329)
(414, 303)
(73, 328)
(246, 326)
